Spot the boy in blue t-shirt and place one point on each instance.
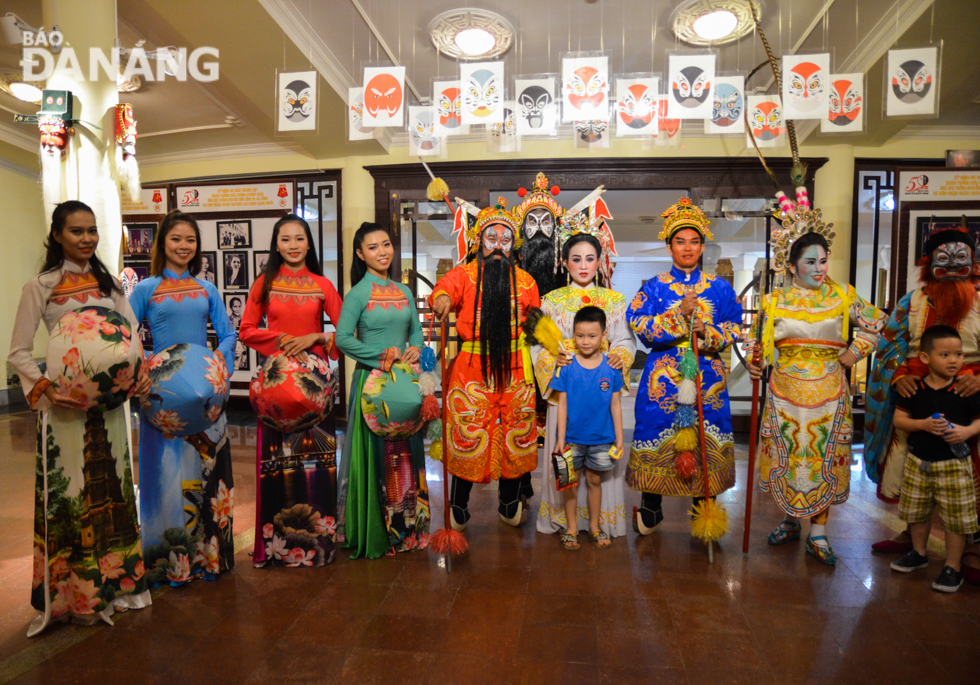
(590, 419)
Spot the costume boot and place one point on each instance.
(513, 504)
(459, 501)
(649, 515)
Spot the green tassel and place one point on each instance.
(689, 365)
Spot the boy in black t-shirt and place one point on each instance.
(935, 476)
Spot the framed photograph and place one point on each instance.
(236, 270)
(142, 271)
(259, 259)
(139, 239)
(242, 357)
(235, 306)
(234, 234)
(209, 267)
(212, 342)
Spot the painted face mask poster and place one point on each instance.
(912, 82)
(585, 89)
(503, 137)
(845, 104)
(806, 81)
(448, 98)
(356, 130)
(536, 112)
(727, 106)
(297, 101)
(766, 122)
(636, 106)
(483, 93)
(690, 78)
(423, 134)
(384, 96)
(668, 130)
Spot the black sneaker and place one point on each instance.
(912, 561)
(948, 581)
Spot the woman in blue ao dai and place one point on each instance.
(186, 485)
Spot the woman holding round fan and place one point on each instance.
(582, 256)
(384, 500)
(187, 490)
(88, 559)
(296, 493)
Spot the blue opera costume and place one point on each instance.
(655, 317)
(186, 488)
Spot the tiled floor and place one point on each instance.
(515, 609)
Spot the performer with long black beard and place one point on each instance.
(538, 216)
(490, 403)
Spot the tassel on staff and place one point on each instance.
(709, 520)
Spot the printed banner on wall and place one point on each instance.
(384, 96)
(483, 92)
(912, 82)
(536, 111)
(356, 130)
(805, 84)
(727, 106)
(423, 137)
(690, 78)
(152, 201)
(448, 99)
(766, 121)
(950, 186)
(845, 105)
(235, 198)
(585, 89)
(503, 137)
(296, 95)
(636, 106)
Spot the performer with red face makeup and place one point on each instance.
(490, 418)
(664, 314)
(948, 297)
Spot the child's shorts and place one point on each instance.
(595, 457)
(947, 485)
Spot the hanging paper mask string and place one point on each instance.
(589, 216)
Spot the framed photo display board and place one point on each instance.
(140, 220)
(929, 199)
(236, 221)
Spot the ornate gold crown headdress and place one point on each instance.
(468, 237)
(539, 197)
(803, 220)
(684, 215)
(588, 217)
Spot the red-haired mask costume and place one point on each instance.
(948, 297)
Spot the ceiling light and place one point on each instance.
(713, 22)
(475, 41)
(11, 82)
(715, 25)
(466, 34)
(27, 92)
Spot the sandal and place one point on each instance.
(600, 537)
(569, 542)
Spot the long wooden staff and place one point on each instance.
(446, 541)
(754, 427)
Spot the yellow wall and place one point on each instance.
(23, 227)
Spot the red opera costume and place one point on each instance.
(480, 448)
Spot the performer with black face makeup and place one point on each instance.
(538, 216)
(490, 403)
